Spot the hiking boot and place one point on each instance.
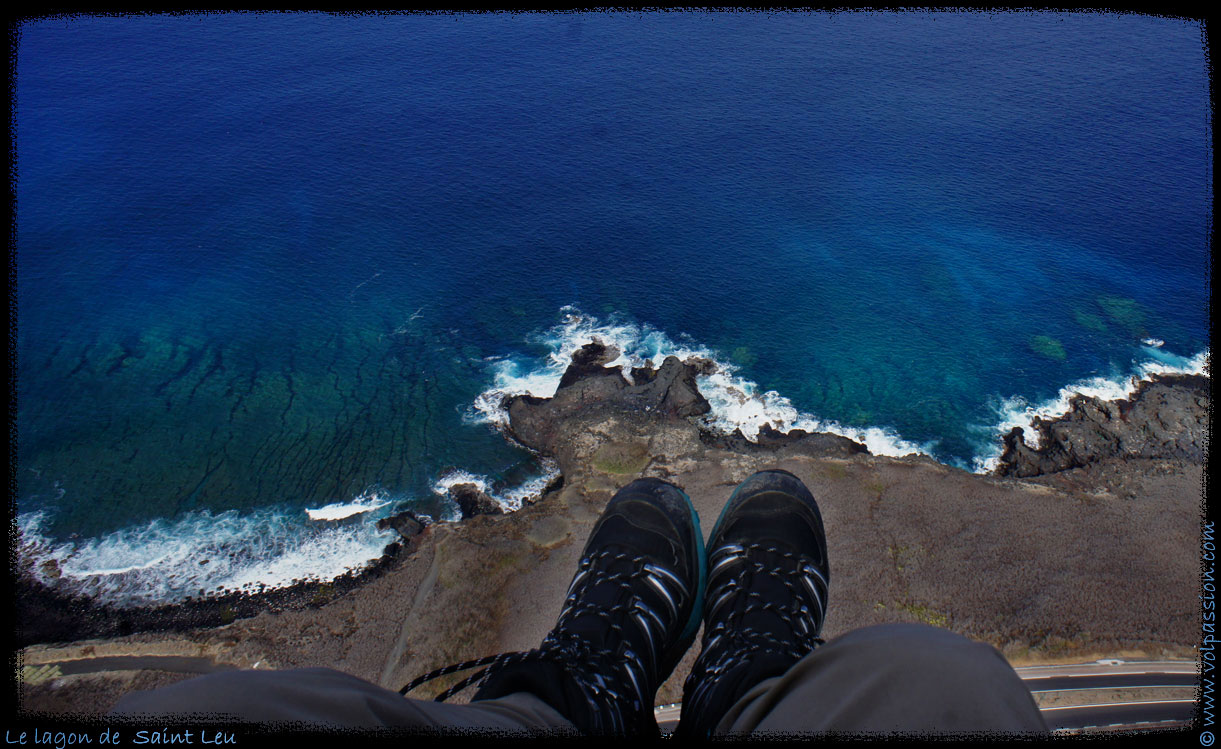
(631, 612)
(766, 595)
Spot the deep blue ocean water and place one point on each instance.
(268, 262)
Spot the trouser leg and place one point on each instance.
(326, 696)
(908, 678)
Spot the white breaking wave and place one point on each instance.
(514, 378)
(736, 401)
(510, 499)
(200, 554)
(1018, 412)
(341, 510)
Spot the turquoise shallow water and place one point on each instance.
(267, 263)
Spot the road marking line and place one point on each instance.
(1095, 689)
(1118, 704)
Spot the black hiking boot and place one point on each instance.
(632, 610)
(766, 596)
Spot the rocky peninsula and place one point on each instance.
(1087, 546)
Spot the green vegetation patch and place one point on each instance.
(621, 458)
(833, 470)
(507, 562)
(926, 614)
(322, 594)
(1048, 347)
(1060, 645)
(549, 532)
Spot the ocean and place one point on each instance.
(276, 268)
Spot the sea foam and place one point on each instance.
(1015, 411)
(344, 510)
(737, 402)
(509, 498)
(199, 553)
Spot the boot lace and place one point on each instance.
(614, 681)
(729, 641)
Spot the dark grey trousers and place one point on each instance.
(906, 678)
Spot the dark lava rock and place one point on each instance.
(669, 391)
(553, 486)
(588, 361)
(701, 365)
(1166, 418)
(407, 523)
(825, 445)
(50, 569)
(589, 391)
(674, 390)
(595, 353)
(771, 437)
(735, 441)
(817, 444)
(471, 501)
(641, 375)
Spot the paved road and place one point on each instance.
(1112, 674)
(1147, 714)
(1039, 679)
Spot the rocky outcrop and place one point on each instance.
(587, 388)
(407, 523)
(798, 440)
(627, 415)
(473, 501)
(1166, 418)
(589, 361)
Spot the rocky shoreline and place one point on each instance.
(47, 614)
(1055, 533)
(1165, 418)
